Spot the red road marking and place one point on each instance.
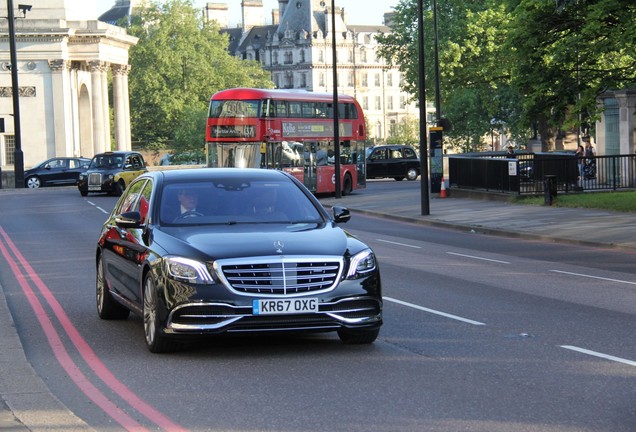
(84, 349)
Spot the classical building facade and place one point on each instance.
(616, 129)
(297, 50)
(65, 59)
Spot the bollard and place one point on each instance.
(549, 189)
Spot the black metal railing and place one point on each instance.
(527, 173)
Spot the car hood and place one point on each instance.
(247, 240)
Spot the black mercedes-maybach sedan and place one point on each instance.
(219, 251)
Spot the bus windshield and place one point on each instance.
(234, 108)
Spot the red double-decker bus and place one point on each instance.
(288, 130)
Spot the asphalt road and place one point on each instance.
(481, 333)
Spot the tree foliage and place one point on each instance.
(406, 131)
(178, 63)
(531, 65)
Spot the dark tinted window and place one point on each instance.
(409, 153)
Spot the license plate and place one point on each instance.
(95, 188)
(284, 307)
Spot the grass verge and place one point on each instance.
(612, 201)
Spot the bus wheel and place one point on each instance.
(347, 185)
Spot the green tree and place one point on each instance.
(535, 66)
(563, 54)
(178, 63)
(406, 131)
(474, 79)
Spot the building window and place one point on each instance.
(289, 57)
(275, 57)
(350, 79)
(402, 102)
(9, 149)
(389, 79)
(302, 56)
(321, 56)
(378, 130)
(303, 80)
(350, 56)
(365, 80)
(389, 103)
(363, 55)
(321, 79)
(378, 103)
(377, 80)
(393, 128)
(289, 80)
(365, 102)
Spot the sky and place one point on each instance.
(369, 12)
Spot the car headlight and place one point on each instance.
(361, 264)
(187, 270)
(110, 177)
(81, 176)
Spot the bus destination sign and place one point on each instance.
(232, 131)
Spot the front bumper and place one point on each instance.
(214, 318)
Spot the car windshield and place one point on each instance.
(106, 162)
(234, 202)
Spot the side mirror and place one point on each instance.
(128, 220)
(341, 214)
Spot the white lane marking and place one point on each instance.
(478, 258)
(97, 207)
(399, 244)
(598, 354)
(594, 277)
(411, 305)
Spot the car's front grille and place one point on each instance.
(277, 276)
(94, 179)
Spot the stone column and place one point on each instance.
(97, 102)
(627, 119)
(106, 110)
(62, 126)
(121, 104)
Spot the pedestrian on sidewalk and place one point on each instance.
(511, 152)
(580, 155)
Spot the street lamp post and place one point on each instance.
(424, 181)
(18, 157)
(336, 127)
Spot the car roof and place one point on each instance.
(194, 174)
(118, 152)
(392, 145)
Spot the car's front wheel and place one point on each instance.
(33, 182)
(155, 341)
(411, 174)
(107, 307)
(358, 337)
(119, 188)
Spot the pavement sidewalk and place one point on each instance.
(567, 225)
(27, 405)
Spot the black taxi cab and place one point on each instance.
(111, 172)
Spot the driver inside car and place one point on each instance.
(187, 203)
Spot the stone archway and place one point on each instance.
(87, 148)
